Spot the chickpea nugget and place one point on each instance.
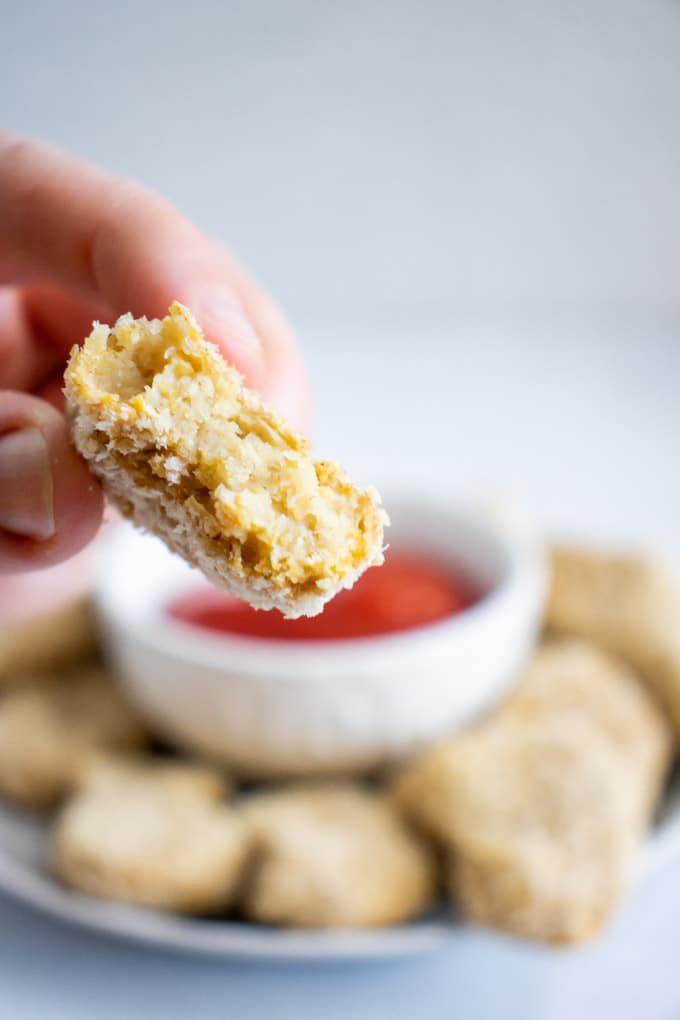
(105, 770)
(188, 453)
(154, 835)
(48, 641)
(49, 727)
(333, 856)
(627, 604)
(541, 807)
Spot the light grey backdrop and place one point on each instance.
(368, 156)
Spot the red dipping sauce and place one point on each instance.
(407, 591)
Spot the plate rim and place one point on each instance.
(33, 886)
(29, 884)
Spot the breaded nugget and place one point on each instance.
(48, 727)
(48, 641)
(106, 771)
(333, 856)
(160, 839)
(629, 605)
(188, 453)
(542, 806)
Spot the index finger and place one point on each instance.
(115, 243)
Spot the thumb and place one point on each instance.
(50, 505)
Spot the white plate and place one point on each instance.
(24, 875)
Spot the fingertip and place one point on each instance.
(50, 504)
(224, 322)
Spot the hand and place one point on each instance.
(77, 245)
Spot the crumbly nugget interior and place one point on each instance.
(209, 442)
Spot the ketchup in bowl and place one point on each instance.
(407, 591)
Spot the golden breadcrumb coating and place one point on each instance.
(105, 770)
(49, 727)
(627, 604)
(155, 835)
(332, 856)
(541, 807)
(190, 454)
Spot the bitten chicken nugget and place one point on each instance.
(190, 454)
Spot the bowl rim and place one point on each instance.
(193, 645)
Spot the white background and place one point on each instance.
(472, 211)
(373, 156)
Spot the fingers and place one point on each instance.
(50, 505)
(284, 382)
(121, 248)
(38, 326)
(113, 242)
(23, 364)
(83, 244)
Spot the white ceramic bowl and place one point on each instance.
(272, 709)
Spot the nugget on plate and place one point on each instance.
(47, 641)
(542, 806)
(161, 839)
(629, 605)
(332, 856)
(49, 727)
(106, 770)
(190, 454)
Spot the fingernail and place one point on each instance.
(26, 486)
(223, 320)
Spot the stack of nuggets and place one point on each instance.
(627, 604)
(541, 807)
(50, 725)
